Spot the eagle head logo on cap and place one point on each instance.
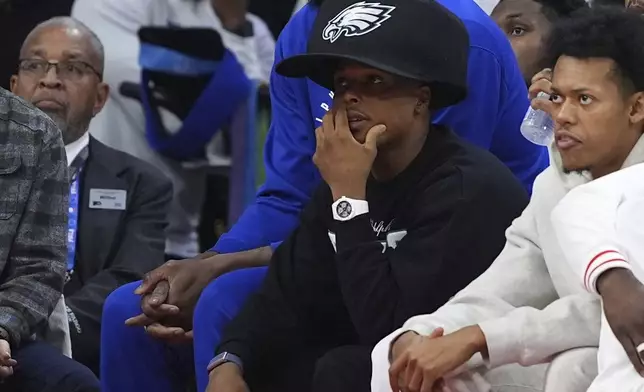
(357, 19)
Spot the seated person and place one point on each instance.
(404, 209)
(527, 23)
(599, 226)
(529, 307)
(488, 117)
(118, 204)
(34, 194)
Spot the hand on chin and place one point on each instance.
(359, 133)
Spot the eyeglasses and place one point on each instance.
(72, 70)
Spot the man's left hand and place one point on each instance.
(173, 335)
(6, 362)
(421, 367)
(344, 163)
(226, 378)
(623, 301)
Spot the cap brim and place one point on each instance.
(321, 68)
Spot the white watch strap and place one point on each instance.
(345, 209)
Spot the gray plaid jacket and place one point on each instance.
(34, 192)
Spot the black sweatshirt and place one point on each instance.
(429, 232)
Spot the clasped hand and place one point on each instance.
(420, 363)
(169, 295)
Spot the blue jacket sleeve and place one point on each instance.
(491, 115)
(291, 175)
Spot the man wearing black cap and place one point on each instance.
(407, 216)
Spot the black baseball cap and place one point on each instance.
(416, 39)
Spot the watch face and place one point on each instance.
(343, 209)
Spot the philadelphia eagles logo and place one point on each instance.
(357, 19)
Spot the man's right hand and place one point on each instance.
(541, 83)
(227, 378)
(404, 341)
(6, 362)
(171, 291)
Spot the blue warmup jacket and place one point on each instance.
(490, 118)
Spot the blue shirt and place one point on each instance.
(490, 117)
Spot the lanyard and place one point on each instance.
(72, 223)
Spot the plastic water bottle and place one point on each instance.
(537, 125)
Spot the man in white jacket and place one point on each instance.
(529, 306)
(599, 226)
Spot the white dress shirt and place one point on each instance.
(74, 148)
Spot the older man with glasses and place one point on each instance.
(118, 204)
(34, 187)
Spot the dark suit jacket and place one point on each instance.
(113, 247)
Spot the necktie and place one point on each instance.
(78, 163)
(74, 168)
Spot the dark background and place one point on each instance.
(17, 18)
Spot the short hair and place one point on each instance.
(614, 3)
(603, 32)
(557, 9)
(67, 21)
(554, 10)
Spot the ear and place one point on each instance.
(636, 114)
(102, 94)
(424, 99)
(13, 82)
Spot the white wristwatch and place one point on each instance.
(345, 209)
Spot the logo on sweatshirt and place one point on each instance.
(390, 241)
(356, 20)
(380, 227)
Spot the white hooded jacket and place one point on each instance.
(599, 226)
(530, 304)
